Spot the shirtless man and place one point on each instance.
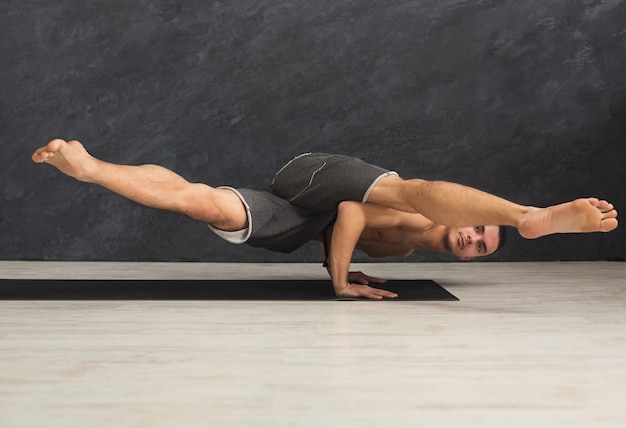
(387, 232)
(387, 215)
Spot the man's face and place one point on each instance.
(471, 242)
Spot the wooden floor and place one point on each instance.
(527, 345)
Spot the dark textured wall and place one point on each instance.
(524, 99)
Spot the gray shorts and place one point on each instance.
(302, 200)
(319, 181)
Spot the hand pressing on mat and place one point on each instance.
(358, 279)
(362, 290)
(361, 278)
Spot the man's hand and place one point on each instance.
(361, 278)
(361, 290)
(358, 287)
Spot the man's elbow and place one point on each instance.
(348, 208)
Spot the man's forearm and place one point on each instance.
(345, 236)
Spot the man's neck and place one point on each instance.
(433, 238)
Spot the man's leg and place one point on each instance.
(149, 185)
(456, 205)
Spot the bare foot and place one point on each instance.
(70, 158)
(578, 216)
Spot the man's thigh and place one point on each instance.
(395, 192)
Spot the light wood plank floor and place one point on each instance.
(528, 345)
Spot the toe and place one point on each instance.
(602, 205)
(40, 155)
(607, 225)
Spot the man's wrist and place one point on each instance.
(338, 286)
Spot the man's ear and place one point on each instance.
(467, 258)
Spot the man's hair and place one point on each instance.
(502, 233)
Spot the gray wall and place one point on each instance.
(526, 99)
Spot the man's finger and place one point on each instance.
(357, 290)
(383, 293)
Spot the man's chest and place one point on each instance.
(386, 242)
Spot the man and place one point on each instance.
(375, 209)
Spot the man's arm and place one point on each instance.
(354, 277)
(352, 218)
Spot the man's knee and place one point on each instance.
(221, 208)
(197, 202)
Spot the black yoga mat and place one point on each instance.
(148, 289)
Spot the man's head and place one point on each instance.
(467, 243)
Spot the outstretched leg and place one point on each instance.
(149, 185)
(456, 205)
